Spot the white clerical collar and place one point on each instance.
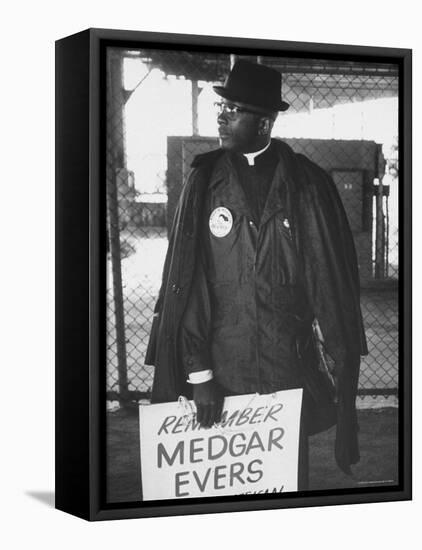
(250, 157)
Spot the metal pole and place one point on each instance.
(379, 234)
(195, 95)
(115, 159)
(233, 59)
(387, 237)
(114, 233)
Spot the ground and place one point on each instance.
(378, 465)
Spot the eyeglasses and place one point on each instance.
(231, 110)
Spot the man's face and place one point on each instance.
(241, 131)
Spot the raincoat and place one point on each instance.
(325, 269)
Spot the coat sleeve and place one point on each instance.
(150, 355)
(178, 275)
(331, 267)
(196, 322)
(332, 279)
(184, 230)
(169, 266)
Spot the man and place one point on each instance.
(261, 260)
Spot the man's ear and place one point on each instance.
(264, 126)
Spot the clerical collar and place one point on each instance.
(250, 157)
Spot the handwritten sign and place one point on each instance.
(253, 450)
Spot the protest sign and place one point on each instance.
(253, 450)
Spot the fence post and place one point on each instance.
(379, 233)
(195, 96)
(115, 159)
(114, 235)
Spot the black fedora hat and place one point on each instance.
(254, 84)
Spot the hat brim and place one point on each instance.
(227, 94)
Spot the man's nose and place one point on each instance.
(222, 117)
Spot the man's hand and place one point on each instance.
(209, 401)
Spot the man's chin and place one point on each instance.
(225, 143)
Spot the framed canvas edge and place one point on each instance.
(230, 42)
(94, 446)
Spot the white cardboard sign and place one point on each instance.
(253, 450)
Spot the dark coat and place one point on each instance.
(327, 260)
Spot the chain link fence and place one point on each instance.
(343, 115)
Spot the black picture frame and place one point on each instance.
(80, 273)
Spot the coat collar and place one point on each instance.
(282, 189)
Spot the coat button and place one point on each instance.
(251, 223)
(176, 289)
